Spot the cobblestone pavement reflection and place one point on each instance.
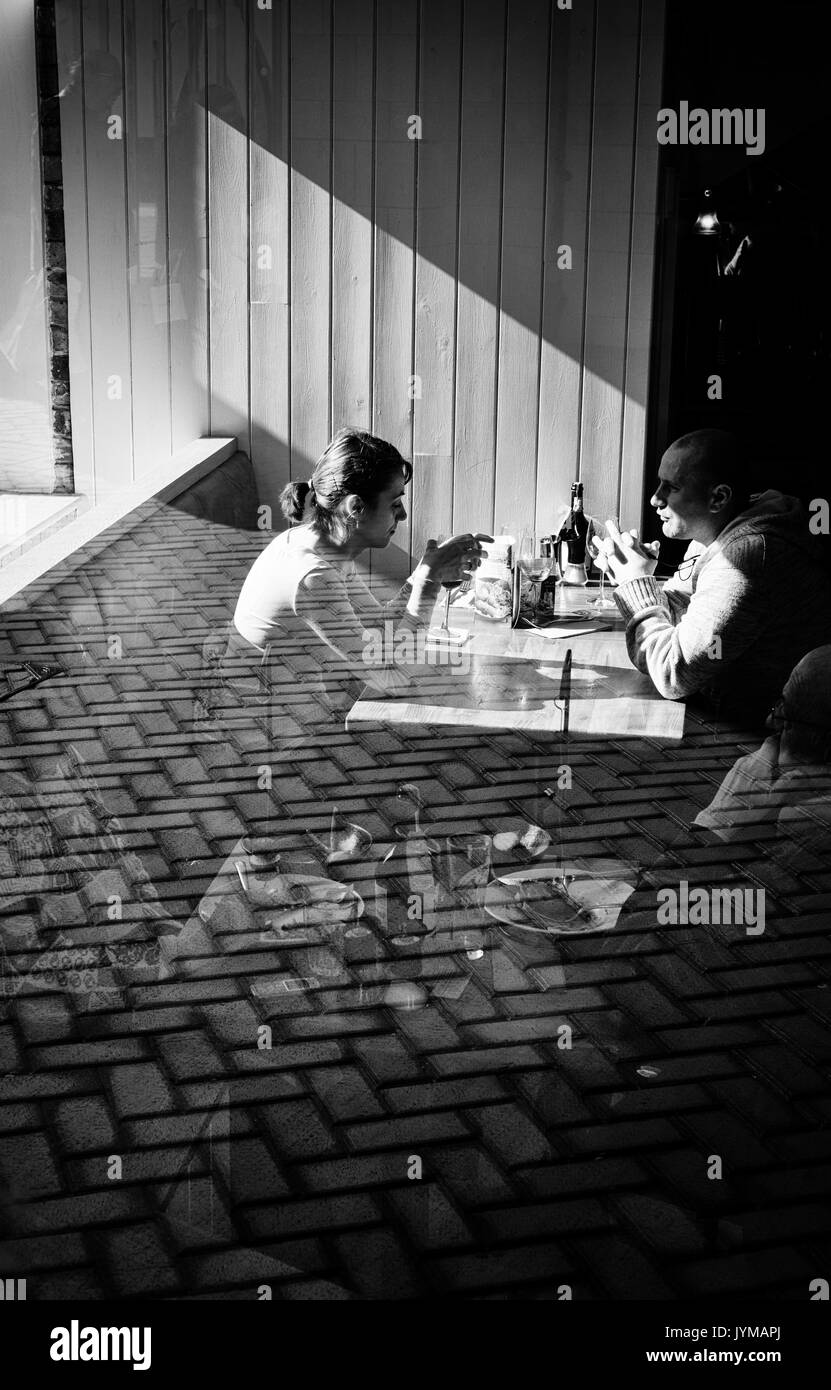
(130, 1030)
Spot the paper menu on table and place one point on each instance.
(627, 716)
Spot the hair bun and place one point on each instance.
(293, 501)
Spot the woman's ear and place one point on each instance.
(353, 507)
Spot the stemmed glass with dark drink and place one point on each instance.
(534, 563)
(444, 630)
(449, 585)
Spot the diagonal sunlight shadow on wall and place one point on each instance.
(323, 268)
(433, 270)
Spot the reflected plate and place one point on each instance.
(527, 900)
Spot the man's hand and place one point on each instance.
(622, 556)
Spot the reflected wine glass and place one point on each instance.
(605, 601)
(465, 873)
(534, 564)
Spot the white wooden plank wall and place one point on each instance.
(607, 261)
(435, 287)
(187, 279)
(520, 292)
(477, 318)
(267, 252)
(311, 230)
(353, 60)
(270, 357)
(396, 76)
(641, 261)
(228, 217)
(566, 243)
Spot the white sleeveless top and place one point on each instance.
(303, 600)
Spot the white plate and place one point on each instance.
(597, 886)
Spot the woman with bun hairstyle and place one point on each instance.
(304, 614)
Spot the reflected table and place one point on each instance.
(513, 679)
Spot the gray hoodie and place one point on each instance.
(757, 600)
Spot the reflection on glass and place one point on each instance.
(465, 871)
(25, 413)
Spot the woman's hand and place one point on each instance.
(622, 556)
(455, 559)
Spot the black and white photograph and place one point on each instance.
(415, 671)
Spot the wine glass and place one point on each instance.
(534, 565)
(603, 601)
(465, 873)
(448, 585)
(444, 631)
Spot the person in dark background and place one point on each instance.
(786, 782)
(751, 597)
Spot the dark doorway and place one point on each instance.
(749, 301)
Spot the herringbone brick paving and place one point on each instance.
(542, 1165)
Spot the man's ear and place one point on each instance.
(720, 497)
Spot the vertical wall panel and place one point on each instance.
(269, 254)
(521, 277)
(352, 213)
(564, 290)
(321, 268)
(608, 259)
(147, 233)
(435, 289)
(311, 148)
(641, 268)
(107, 227)
(395, 76)
(187, 220)
(479, 227)
(73, 154)
(228, 215)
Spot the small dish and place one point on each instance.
(562, 899)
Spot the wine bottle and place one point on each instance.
(571, 540)
(548, 588)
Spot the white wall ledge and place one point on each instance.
(171, 479)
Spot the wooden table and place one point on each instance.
(510, 679)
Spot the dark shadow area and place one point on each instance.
(748, 302)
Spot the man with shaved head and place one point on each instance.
(751, 596)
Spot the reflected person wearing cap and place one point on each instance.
(787, 781)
